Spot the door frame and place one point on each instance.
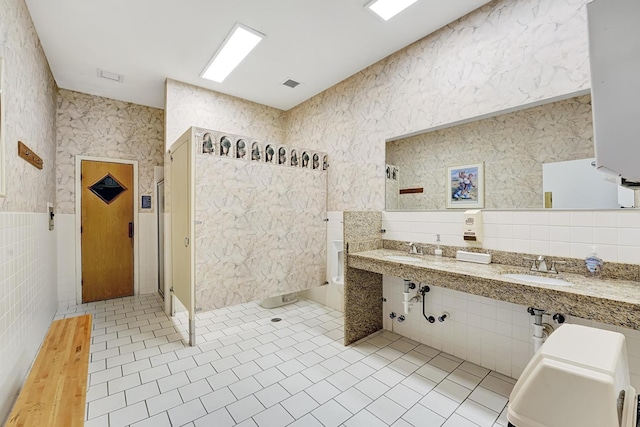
(78, 222)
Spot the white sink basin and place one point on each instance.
(538, 279)
(401, 258)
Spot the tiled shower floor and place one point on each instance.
(247, 370)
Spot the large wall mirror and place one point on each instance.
(2, 164)
(538, 157)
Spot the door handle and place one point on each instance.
(130, 230)
(186, 242)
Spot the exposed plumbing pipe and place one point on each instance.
(423, 291)
(541, 331)
(406, 302)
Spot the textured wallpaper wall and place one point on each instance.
(94, 126)
(188, 105)
(503, 55)
(29, 111)
(513, 147)
(260, 230)
(28, 297)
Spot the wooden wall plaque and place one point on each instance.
(27, 154)
(412, 190)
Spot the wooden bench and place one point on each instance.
(54, 393)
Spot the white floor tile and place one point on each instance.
(173, 381)
(316, 373)
(246, 370)
(244, 388)
(372, 388)
(453, 391)
(458, 421)
(353, 400)
(331, 414)
(124, 383)
(200, 372)
(268, 361)
(142, 392)
(154, 373)
(102, 421)
(219, 418)
(419, 416)
(128, 415)
(194, 390)
(106, 404)
(388, 376)
(223, 379)
(299, 405)
(335, 364)
(245, 408)
(497, 385)
(159, 420)
(291, 367)
(487, 398)
(376, 361)
(163, 402)
(185, 413)
(360, 370)
(365, 419)
(386, 409)
(343, 380)
(403, 395)
(225, 363)
(322, 391)
(295, 383)
(249, 372)
(307, 421)
(432, 373)
(97, 391)
(272, 395)
(275, 416)
(480, 415)
(218, 399)
(439, 404)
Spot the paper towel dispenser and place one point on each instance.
(614, 54)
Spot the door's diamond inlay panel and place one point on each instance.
(107, 188)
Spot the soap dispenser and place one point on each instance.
(593, 262)
(438, 251)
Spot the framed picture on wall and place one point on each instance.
(465, 186)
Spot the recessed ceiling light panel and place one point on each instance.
(240, 41)
(387, 9)
(110, 76)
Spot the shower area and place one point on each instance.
(247, 220)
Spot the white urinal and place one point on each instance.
(336, 262)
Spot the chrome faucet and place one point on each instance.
(413, 249)
(539, 263)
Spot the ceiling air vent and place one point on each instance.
(110, 76)
(291, 83)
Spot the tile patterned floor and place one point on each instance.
(250, 371)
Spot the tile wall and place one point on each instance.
(616, 233)
(27, 296)
(492, 333)
(331, 295)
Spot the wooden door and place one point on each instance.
(107, 230)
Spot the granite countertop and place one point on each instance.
(616, 302)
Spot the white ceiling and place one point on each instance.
(315, 42)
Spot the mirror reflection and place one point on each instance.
(516, 148)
